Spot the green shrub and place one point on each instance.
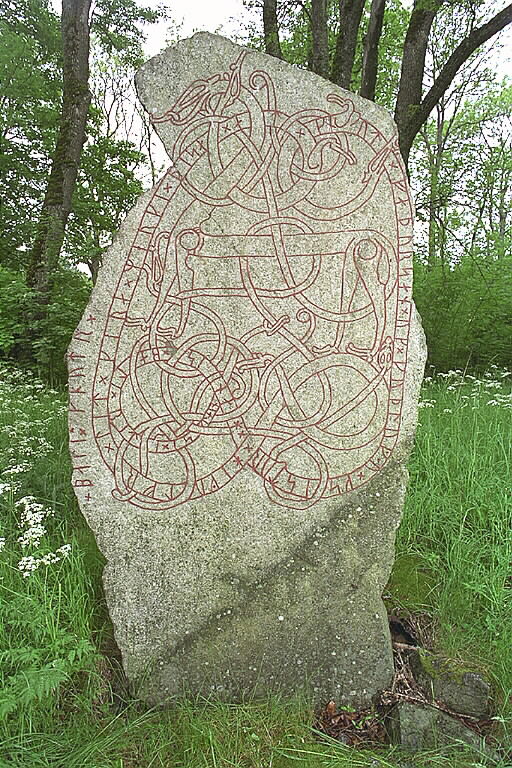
(13, 305)
(466, 313)
(46, 341)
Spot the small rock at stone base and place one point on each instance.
(461, 690)
(417, 728)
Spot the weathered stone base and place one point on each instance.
(314, 621)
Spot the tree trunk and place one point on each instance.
(371, 50)
(434, 203)
(61, 183)
(411, 110)
(413, 67)
(320, 57)
(271, 29)
(350, 18)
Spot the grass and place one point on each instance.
(458, 517)
(57, 707)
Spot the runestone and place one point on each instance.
(244, 382)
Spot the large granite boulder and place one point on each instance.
(244, 383)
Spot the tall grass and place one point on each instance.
(458, 516)
(57, 707)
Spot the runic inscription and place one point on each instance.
(281, 338)
(243, 386)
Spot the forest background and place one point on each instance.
(460, 163)
(63, 697)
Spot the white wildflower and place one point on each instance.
(29, 563)
(5, 488)
(32, 517)
(16, 470)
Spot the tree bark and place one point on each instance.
(413, 61)
(271, 29)
(371, 50)
(320, 56)
(411, 114)
(61, 183)
(350, 17)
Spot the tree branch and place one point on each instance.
(411, 119)
(461, 54)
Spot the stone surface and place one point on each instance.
(419, 728)
(244, 382)
(462, 690)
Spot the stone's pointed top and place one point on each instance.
(244, 397)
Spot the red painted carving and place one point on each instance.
(292, 364)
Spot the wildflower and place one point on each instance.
(29, 564)
(447, 410)
(18, 469)
(5, 488)
(2, 543)
(32, 516)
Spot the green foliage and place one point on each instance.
(47, 347)
(30, 92)
(46, 660)
(462, 170)
(108, 179)
(70, 294)
(107, 188)
(394, 26)
(466, 312)
(296, 42)
(13, 304)
(48, 615)
(117, 26)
